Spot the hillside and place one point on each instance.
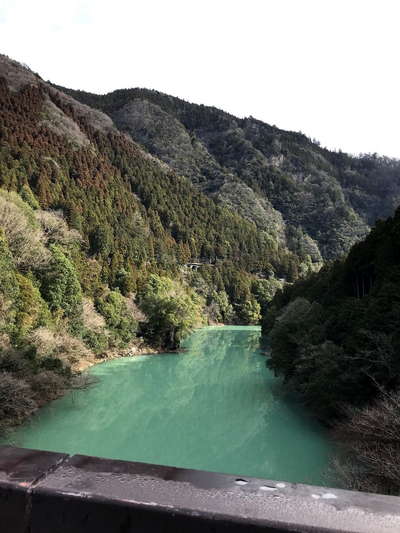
(97, 238)
(318, 203)
(335, 340)
(134, 212)
(335, 336)
(135, 217)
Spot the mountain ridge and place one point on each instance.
(290, 179)
(133, 211)
(310, 201)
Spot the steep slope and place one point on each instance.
(335, 336)
(96, 241)
(335, 339)
(319, 202)
(135, 214)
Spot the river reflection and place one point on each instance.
(214, 407)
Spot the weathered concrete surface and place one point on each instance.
(20, 470)
(41, 492)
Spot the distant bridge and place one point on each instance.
(196, 266)
(46, 492)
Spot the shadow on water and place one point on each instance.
(215, 407)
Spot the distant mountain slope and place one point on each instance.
(321, 202)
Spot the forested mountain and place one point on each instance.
(136, 214)
(335, 338)
(97, 238)
(315, 201)
(336, 335)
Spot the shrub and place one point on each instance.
(8, 286)
(55, 228)
(13, 361)
(31, 309)
(371, 443)
(47, 385)
(119, 319)
(172, 310)
(28, 197)
(5, 342)
(250, 311)
(98, 342)
(62, 290)
(91, 318)
(24, 235)
(61, 347)
(95, 335)
(16, 400)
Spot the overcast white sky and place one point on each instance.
(329, 68)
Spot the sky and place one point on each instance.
(328, 68)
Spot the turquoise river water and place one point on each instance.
(214, 407)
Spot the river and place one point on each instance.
(214, 407)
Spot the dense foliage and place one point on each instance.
(313, 201)
(89, 223)
(335, 336)
(57, 315)
(102, 243)
(135, 215)
(173, 311)
(370, 438)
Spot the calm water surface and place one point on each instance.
(215, 407)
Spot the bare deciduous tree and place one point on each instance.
(55, 228)
(25, 238)
(371, 446)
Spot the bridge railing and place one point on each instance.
(46, 492)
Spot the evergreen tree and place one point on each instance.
(62, 290)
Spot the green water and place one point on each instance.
(214, 407)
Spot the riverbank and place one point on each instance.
(20, 400)
(195, 411)
(135, 348)
(24, 400)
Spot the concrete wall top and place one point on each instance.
(45, 492)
